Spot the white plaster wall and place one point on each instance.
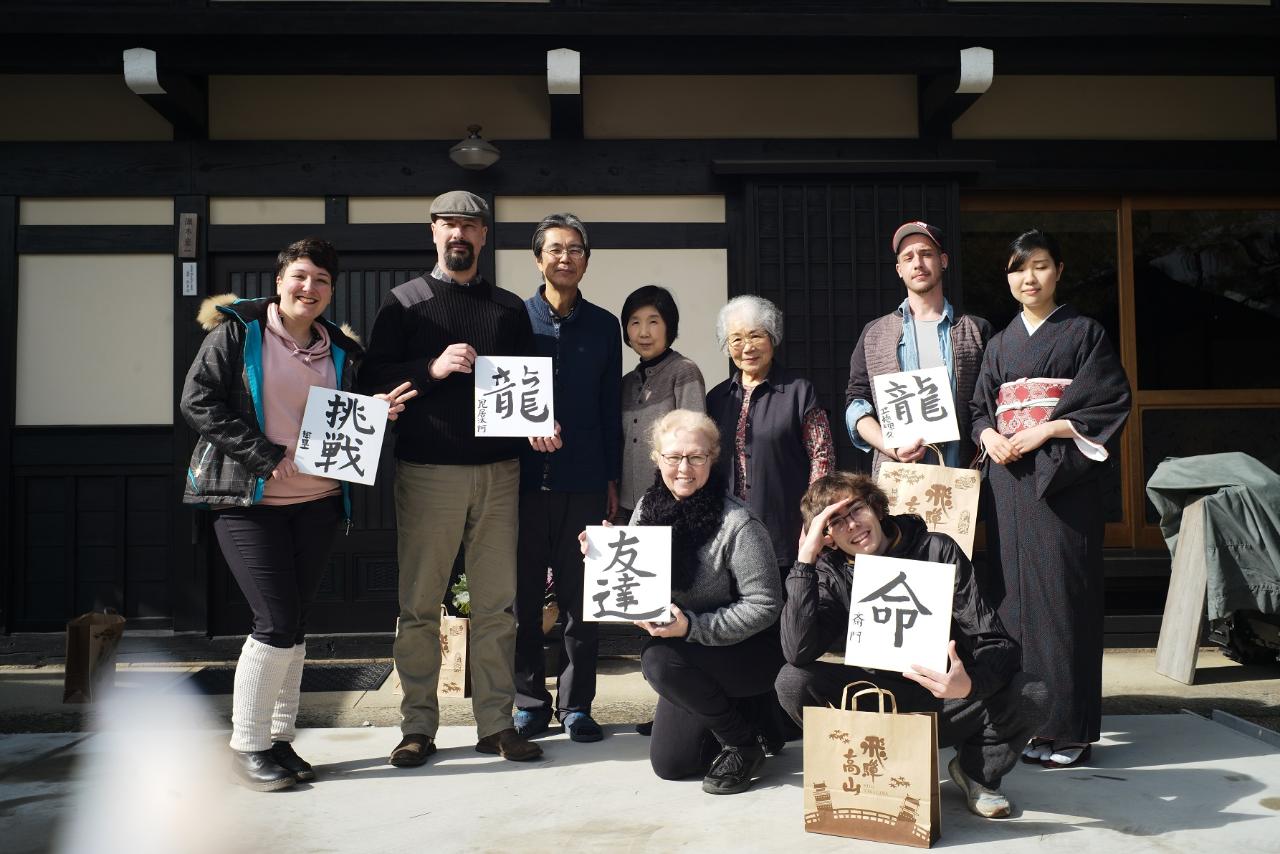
(266, 211)
(149, 211)
(95, 339)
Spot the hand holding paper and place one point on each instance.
(955, 684)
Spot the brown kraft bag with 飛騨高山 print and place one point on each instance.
(92, 640)
(455, 669)
(871, 775)
(946, 498)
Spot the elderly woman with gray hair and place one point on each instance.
(777, 439)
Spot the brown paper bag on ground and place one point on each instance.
(871, 775)
(455, 670)
(946, 498)
(92, 640)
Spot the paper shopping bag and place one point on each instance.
(873, 774)
(92, 640)
(946, 498)
(455, 670)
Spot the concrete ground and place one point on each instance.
(145, 772)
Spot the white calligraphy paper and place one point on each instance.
(628, 574)
(341, 435)
(914, 405)
(899, 613)
(514, 396)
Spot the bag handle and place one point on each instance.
(933, 448)
(881, 693)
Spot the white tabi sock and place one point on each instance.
(259, 674)
(285, 714)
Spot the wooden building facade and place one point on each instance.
(716, 147)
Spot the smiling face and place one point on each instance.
(857, 531)
(458, 241)
(687, 447)
(305, 291)
(920, 263)
(647, 332)
(1035, 283)
(749, 346)
(563, 261)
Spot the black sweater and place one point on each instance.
(416, 322)
(816, 614)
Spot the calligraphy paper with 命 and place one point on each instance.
(899, 613)
(628, 574)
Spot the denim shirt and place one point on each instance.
(909, 360)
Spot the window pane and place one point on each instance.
(1191, 432)
(1089, 281)
(1207, 291)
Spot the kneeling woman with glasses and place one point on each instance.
(715, 653)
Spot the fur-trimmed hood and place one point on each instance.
(217, 308)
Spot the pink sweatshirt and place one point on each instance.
(288, 373)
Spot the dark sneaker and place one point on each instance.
(286, 758)
(531, 722)
(982, 801)
(581, 727)
(412, 750)
(509, 744)
(732, 769)
(259, 771)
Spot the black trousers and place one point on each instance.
(988, 734)
(708, 696)
(549, 526)
(278, 556)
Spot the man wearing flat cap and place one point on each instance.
(924, 331)
(452, 489)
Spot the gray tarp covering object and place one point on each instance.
(1242, 525)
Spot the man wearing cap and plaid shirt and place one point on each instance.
(453, 488)
(923, 332)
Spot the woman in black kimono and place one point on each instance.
(1050, 396)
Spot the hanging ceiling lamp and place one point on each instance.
(474, 152)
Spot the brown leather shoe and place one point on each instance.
(509, 745)
(412, 751)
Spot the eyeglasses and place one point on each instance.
(674, 460)
(577, 253)
(846, 519)
(737, 342)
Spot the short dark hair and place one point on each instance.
(1028, 242)
(320, 252)
(658, 297)
(837, 486)
(559, 220)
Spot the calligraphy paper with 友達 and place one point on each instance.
(514, 396)
(916, 405)
(341, 435)
(628, 574)
(899, 613)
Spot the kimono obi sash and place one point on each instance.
(1026, 403)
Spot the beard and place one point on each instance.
(458, 258)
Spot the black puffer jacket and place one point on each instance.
(222, 401)
(816, 614)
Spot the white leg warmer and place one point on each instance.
(260, 672)
(286, 711)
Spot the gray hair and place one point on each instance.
(559, 220)
(759, 313)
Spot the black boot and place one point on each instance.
(259, 771)
(731, 771)
(286, 758)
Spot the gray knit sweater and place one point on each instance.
(673, 383)
(737, 592)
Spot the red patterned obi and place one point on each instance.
(1027, 402)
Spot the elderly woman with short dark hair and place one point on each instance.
(778, 439)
